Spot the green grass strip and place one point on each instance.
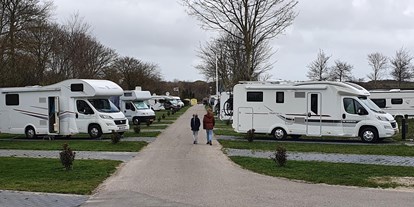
(329, 173)
(397, 150)
(48, 175)
(75, 145)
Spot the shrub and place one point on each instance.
(115, 137)
(137, 129)
(228, 122)
(163, 116)
(280, 156)
(67, 156)
(148, 122)
(168, 113)
(250, 135)
(159, 119)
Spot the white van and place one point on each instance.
(65, 108)
(133, 104)
(395, 101)
(311, 109)
(157, 102)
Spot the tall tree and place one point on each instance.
(318, 69)
(401, 66)
(251, 21)
(379, 65)
(341, 71)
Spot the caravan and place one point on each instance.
(395, 101)
(134, 105)
(311, 109)
(65, 108)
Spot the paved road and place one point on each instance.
(172, 171)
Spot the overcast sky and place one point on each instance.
(161, 32)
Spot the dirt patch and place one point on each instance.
(400, 181)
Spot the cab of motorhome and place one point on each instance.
(320, 108)
(133, 104)
(65, 108)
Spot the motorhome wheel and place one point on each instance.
(95, 131)
(369, 134)
(30, 133)
(135, 121)
(279, 133)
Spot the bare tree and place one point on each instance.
(318, 69)
(251, 21)
(379, 65)
(401, 67)
(341, 71)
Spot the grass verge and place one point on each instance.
(397, 150)
(75, 145)
(48, 175)
(329, 173)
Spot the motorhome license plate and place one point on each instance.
(122, 128)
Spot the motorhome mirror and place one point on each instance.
(362, 111)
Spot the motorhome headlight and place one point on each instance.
(105, 116)
(382, 118)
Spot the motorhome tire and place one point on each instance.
(95, 131)
(369, 134)
(135, 121)
(279, 133)
(30, 132)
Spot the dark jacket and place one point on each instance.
(208, 121)
(195, 123)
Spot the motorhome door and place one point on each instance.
(53, 109)
(314, 114)
(245, 119)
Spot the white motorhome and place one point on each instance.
(226, 106)
(65, 108)
(133, 104)
(395, 101)
(311, 109)
(157, 102)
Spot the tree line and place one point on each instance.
(34, 50)
(400, 68)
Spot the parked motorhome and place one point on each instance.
(157, 102)
(311, 109)
(65, 108)
(133, 104)
(396, 102)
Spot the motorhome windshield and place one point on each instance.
(371, 105)
(104, 105)
(140, 105)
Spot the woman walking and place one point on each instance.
(208, 125)
(195, 127)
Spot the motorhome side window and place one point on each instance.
(83, 107)
(76, 87)
(396, 101)
(380, 102)
(254, 96)
(12, 99)
(351, 106)
(280, 97)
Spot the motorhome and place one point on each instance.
(65, 108)
(157, 102)
(395, 101)
(133, 104)
(310, 108)
(226, 106)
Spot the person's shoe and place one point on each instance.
(210, 143)
(194, 142)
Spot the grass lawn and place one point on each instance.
(48, 175)
(329, 173)
(398, 150)
(76, 145)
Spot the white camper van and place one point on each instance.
(395, 101)
(310, 108)
(133, 105)
(65, 108)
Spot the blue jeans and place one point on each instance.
(209, 135)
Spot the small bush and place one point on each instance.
(168, 113)
(280, 156)
(137, 129)
(115, 137)
(163, 116)
(228, 122)
(250, 135)
(148, 122)
(159, 119)
(67, 156)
